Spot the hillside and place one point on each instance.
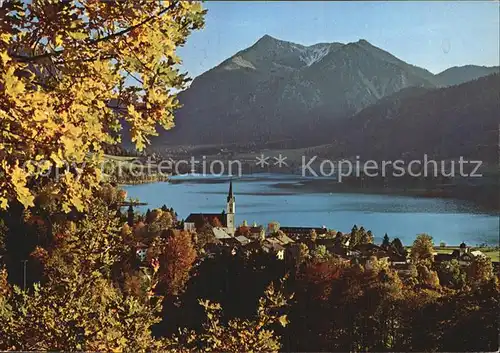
(445, 123)
(461, 74)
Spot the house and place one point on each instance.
(226, 218)
(284, 239)
(270, 246)
(243, 240)
(257, 232)
(253, 232)
(277, 244)
(196, 220)
(463, 255)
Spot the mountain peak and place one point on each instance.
(268, 39)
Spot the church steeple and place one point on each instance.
(231, 210)
(230, 196)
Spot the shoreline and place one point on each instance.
(323, 186)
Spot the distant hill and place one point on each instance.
(444, 123)
(461, 74)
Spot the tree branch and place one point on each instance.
(25, 58)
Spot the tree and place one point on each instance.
(480, 270)
(313, 235)
(273, 227)
(426, 276)
(65, 73)
(366, 237)
(450, 274)
(302, 255)
(237, 335)
(176, 255)
(130, 216)
(159, 221)
(422, 249)
(148, 216)
(204, 235)
(385, 242)
(320, 253)
(79, 306)
(398, 246)
(243, 230)
(215, 222)
(354, 238)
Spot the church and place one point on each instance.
(226, 218)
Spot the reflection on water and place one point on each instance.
(258, 199)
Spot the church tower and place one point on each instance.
(231, 203)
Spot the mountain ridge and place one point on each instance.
(277, 89)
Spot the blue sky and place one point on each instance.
(433, 35)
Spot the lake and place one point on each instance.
(263, 198)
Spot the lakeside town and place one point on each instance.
(289, 243)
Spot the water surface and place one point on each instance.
(259, 199)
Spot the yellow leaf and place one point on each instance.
(3, 203)
(78, 35)
(58, 161)
(283, 320)
(24, 195)
(58, 40)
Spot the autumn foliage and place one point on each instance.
(176, 256)
(71, 73)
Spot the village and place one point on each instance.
(290, 244)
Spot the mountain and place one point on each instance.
(277, 90)
(282, 91)
(443, 123)
(461, 74)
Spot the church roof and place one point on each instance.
(220, 233)
(200, 218)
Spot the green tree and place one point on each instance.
(422, 249)
(386, 242)
(366, 237)
(398, 246)
(303, 254)
(204, 235)
(354, 237)
(480, 270)
(320, 253)
(451, 275)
